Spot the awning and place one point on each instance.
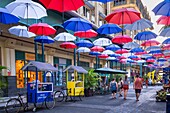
(89, 5)
(102, 15)
(79, 69)
(110, 71)
(40, 66)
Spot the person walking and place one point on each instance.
(113, 88)
(125, 86)
(137, 86)
(120, 85)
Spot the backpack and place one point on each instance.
(113, 86)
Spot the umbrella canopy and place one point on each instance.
(140, 61)
(167, 41)
(44, 39)
(96, 53)
(86, 34)
(155, 52)
(146, 35)
(165, 20)
(59, 28)
(42, 29)
(139, 25)
(153, 48)
(150, 60)
(21, 31)
(123, 16)
(26, 9)
(110, 71)
(102, 1)
(68, 45)
(165, 32)
(109, 29)
(131, 45)
(166, 47)
(64, 37)
(115, 55)
(130, 61)
(83, 50)
(98, 48)
(111, 58)
(62, 5)
(121, 39)
(84, 43)
(133, 56)
(150, 43)
(141, 53)
(122, 57)
(7, 18)
(135, 50)
(161, 60)
(158, 55)
(103, 56)
(166, 52)
(162, 8)
(121, 51)
(77, 24)
(102, 42)
(113, 47)
(108, 52)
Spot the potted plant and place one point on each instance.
(2, 84)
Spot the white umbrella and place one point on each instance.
(131, 45)
(108, 52)
(64, 37)
(102, 42)
(27, 9)
(21, 31)
(83, 50)
(140, 61)
(111, 58)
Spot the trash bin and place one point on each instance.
(168, 103)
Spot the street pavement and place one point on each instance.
(104, 104)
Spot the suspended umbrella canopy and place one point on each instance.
(111, 58)
(136, 59)
(84, 43)
(102, 42)
(115, 55)
(64, 37)
(127, 54)
(83, 50)
(27, 9)
(150, 43)
(167, 41)
(135, 50)
(21, 31)
(44, 39)
(165, 32)
(146, 35)
(123, 16)
(167, 56)
(161, 60)
(96, 53)
(158, 55)
(63, 5)
(59, 29)
(109, 29)
(141, 53)
(133, 56)
(162, 8)
(103, 56)
(140, 61)
(155, 52)
(77, 24)
(113, 47)
(121, 51)
(42, 29)
(166, 47)
(150, 60)
(121, 39)
(68, 45)
(153, 48)
(130, 61)
(102, 1)
(139, 25)
(7, 18)
(108, 52)
(86, 34)
(97, 48)
(121, 57)
(131, 45)
(166, 52)
(164, 20)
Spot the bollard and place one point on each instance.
(168, 103)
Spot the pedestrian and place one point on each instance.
(113, 88)
(120, 85)
(137, 86)
(125, 86)
(146, 82)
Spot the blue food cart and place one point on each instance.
(40, 92)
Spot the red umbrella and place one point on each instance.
(141, 53)
(62, 5)
(158, 55)
(97, 48)
(150, 60)
(123, 16)
(166, 47)
(167, 57)
(165, 20)
(136, 59)
(68, 45)
(42, 29)
(86, 34)
(122, 57)
(121, 51)
(103, 56)
(121, 39)
(150, 43)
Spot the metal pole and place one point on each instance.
(78, 59)
(36, 48)
(43, 52)
(96, 62)
(74, 57)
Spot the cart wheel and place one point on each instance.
(59, 96)
(13, 106)
(81, 95)
(49, 102)
(34, 109)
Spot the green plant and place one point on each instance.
(145, 77)
(2, 84)
(118, 76)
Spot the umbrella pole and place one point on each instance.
(36, 54)
(96, 62)
(78, 58)
(43, 52)
(74, 57)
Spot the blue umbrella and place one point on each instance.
(155, 52)
(162, 8)
(135, 50)
(167, 41)
(130, 61)
(113, 47)
(165, 32)
(77, 24)
(115, 55)
(131, 45)
(84, 43)
(96, 53)
(103, 1)
(133, 56)
(150, 57)
(153, 48)
(161, 60)
(109, 29)
(139, 25)
(146, 35)
(7, 18)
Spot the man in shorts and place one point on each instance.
(137, 86)
(113, 88)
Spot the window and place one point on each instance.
(84, 64)
(100, 22)
(93, 18)
(132, 1)
(119, 2)
(86, 13)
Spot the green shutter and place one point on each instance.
(19, 55)
(40, 57)
(56, 60)
(68, 62)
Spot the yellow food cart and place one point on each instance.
(75, 81)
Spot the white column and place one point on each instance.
(12, 62)
(49, 59)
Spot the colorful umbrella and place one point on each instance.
(97, 48)
(121, 39)
(59, 29)
(153, 48)
(150, 43)
(94, 53)
(165, 32)
(146, 35)
(136, 50)
(7, 18)
(103, 56)
(121, 57)
(155, 52)
(109, 29)
(102, 1)
(121, 51)
(64, 37)
(44, 39)
(131, 45)
(108, 52)
(115, 55)
(68, 45)
(77, 24)
(158, 55)
(140, 61)
(111, 58)
(84, 43)
(167, 41)
(165, 20)
(83, 50)
(133, 56)
(113, 47)
(102, 42)
(161, 60)
(86, 34)
(62, 5)
(141, 53)
(166, 47)
(42, 29)
(150, 60)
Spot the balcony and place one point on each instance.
(118, 3)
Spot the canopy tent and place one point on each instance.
(79, 69)
(110, 71)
